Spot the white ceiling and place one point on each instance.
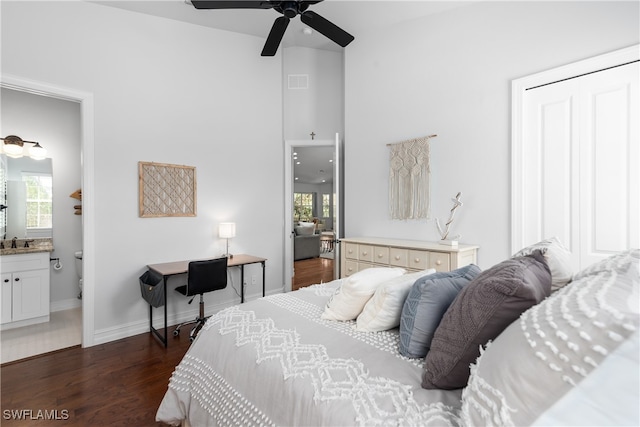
(353, 16)
(315, 165)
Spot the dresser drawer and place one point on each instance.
(418, 260)
(365, 253)
(381, 254)
(440, 261)
(398, 257)
(350, 268)
(351, 251)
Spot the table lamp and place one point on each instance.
(227, 230)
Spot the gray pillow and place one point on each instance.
(428, 300)
(480, 312)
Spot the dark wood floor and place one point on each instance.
(120, 383)
(312, 271)
(115, 384)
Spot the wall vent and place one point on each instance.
(298, 81)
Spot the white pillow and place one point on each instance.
(384, 309)
(556, 345)
(305, 229)
(350, 298)
(558, 259)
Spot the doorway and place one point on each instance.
(312, 196)
(82, 159)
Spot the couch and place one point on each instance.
(306, 243)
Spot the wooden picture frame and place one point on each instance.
(166, 190)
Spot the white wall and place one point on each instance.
(55, 123)
(450, 74)
(320, 108)
(167, 92)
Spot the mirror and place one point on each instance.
(26, 197)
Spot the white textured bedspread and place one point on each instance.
(273, 361)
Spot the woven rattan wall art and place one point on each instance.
(166, 190)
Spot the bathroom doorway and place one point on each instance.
(53, 117)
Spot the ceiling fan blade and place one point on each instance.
(232, 4)
(326, 28)
(275, 36)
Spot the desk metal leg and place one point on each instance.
(263, 282)
(155, 332)
(242, 284)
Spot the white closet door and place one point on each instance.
(609, 162)
(579, 164)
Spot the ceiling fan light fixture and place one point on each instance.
(307, 31)
(289, 10)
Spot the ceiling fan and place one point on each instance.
(289, 9)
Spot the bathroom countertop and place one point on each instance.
(35, 245)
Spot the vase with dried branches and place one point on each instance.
(444, 231)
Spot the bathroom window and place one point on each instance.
(39, 200)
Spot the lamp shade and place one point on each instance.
(227, 230)
(37, 152)
(13, 150)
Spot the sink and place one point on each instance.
(37, 245)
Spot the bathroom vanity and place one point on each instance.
(25, 281)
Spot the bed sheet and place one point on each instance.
(274, 361)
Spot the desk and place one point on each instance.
(168, 269)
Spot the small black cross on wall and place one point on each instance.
(313, 135)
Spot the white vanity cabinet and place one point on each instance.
(414, 255)
(25, 289)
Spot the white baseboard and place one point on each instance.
(106, 335)
(65, 304)
(114, 333)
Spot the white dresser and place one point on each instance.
(359, 253)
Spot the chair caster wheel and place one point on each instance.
(176, 332)
(191, 339)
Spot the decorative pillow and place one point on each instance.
(428, 300)
(558, 258)
(558, 346)
(383, 310)
(350, 298)
(483, 309)
(305, 229)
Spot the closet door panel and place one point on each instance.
(609, 180)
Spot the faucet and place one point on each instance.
(13, 243)
(26, 243)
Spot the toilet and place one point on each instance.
(78, 256)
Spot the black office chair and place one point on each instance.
(202, 277)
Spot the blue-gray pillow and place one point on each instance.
(428, 300)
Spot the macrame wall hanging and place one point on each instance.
(409, 176)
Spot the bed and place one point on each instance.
(281, 360)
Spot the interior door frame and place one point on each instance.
(518, 89)
(289, 145)
(85, 99)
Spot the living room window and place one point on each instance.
(302, 206)
(39, 200)
(326, 205)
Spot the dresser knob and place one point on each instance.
(397, 257)
(438, 262)
(416, 260)
(364, 253)
(379, 255)
(6, 280)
